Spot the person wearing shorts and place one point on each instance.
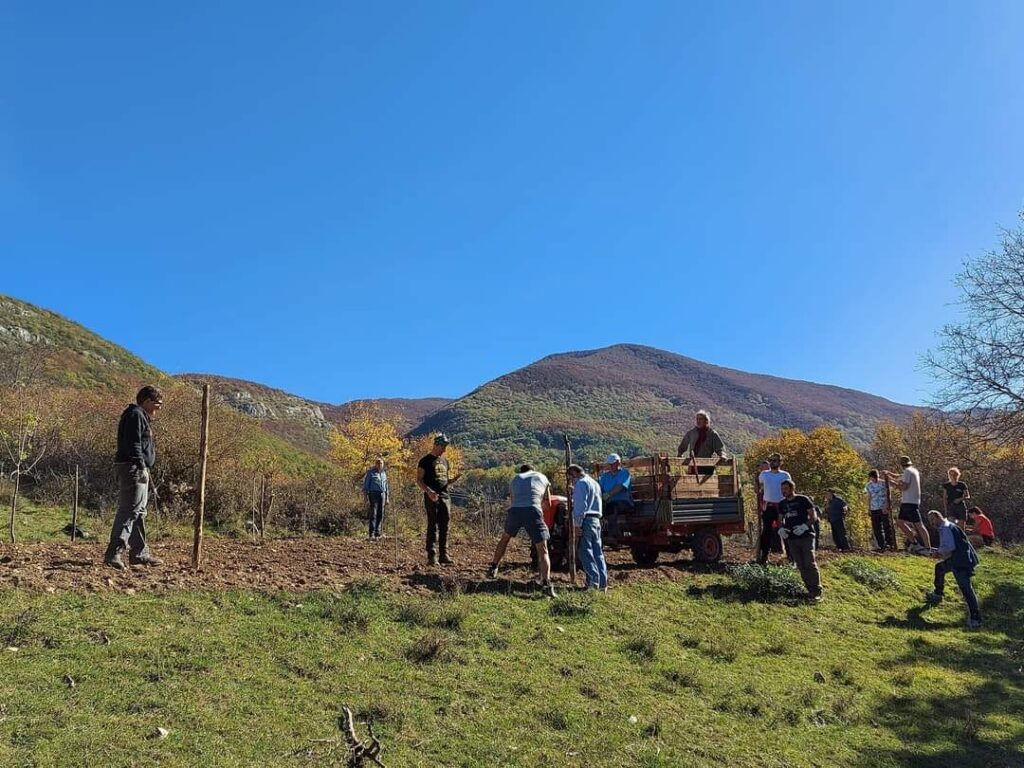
(909, 517)
(530, 491)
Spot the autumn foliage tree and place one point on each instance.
(368, 433)
(993, 469)
(819, 460)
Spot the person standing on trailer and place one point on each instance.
(702, 442)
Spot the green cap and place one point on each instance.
(441, 439)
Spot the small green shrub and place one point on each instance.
(450, 617)
(20, 631)
(767, 583)
(573, 604)
(432, 646)
(641, 647)
(415, 614)
(366, 588)
(870, 574)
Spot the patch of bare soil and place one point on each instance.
(303, 564)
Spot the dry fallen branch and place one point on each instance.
(358, 752)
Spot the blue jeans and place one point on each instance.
(376, 512)
(963, 580)
(591, 557)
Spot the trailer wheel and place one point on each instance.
(707, 546)
(644, 556)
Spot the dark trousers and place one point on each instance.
(769, 541)
(881, 525)
(376, 511)
(963, 580)
(438, 515)
(838, 526)
(129, 529)
(613, 513)
(801, 549)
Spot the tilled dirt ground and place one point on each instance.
(303, 564)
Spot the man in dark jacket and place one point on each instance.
(136, 454)
(837, 509)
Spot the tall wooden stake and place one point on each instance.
(74, 510)
(394, 514)
(204, 437)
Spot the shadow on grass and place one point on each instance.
(734, 593)
(684, 563)
(915, 620)
(450, 586)
(957, 728)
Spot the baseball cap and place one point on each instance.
(441, 439)
(612, 458)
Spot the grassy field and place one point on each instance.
(653, 674)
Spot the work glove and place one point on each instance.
(783, 534)
(801, 529)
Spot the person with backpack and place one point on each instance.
(955, 555)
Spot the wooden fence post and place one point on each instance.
(204, 436)
(74, 510)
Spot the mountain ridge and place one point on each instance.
(635, 398)
(627, 397)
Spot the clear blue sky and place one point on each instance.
(405, 199)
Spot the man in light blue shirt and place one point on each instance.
(586, 516)
(615, 492)
(375, 488)
(955, 555)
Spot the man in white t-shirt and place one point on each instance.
(909, 518)
(770, 484)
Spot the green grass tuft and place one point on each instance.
(870, 573)
(573, 604)
(767, 583)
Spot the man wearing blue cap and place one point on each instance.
(616, 493)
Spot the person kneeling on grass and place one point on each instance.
(956, 556)
(980, 532)
(530, 491)
(797, 518)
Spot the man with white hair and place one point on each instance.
(955, 555)
(702, 442)
(616, 493)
